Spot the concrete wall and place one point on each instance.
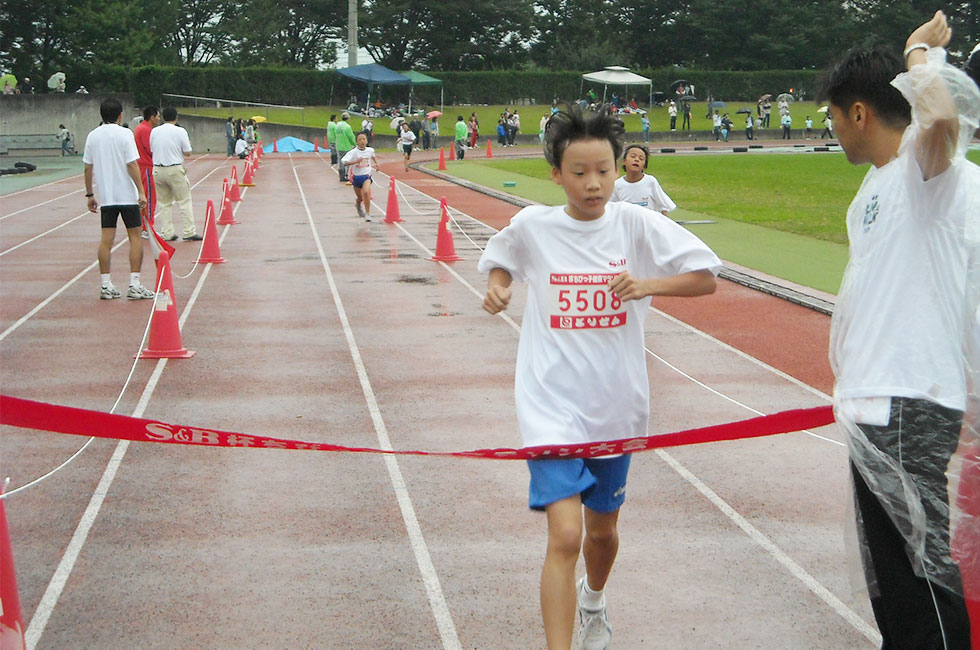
(35, 114)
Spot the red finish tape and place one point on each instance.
(42, 416)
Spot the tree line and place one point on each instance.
(39, 38)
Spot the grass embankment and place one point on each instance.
(318, 116)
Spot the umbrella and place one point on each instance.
(55, 79)
(718, 105)
(822, 109)
(679, 82)
(258, 118)
(8, 78)
(765, 97)
(744, 111)
(396, 122)
(781, 96)
(432, 114)
(686, 98)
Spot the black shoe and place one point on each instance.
(174, 238)
(191, 238)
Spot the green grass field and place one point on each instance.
(782, 214)
(318, 116)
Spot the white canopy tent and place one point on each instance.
(615, 75)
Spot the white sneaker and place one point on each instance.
(594, 632)
(109, 292)
(360, 211)
(144, 234)
(139, 293)
(367, 217)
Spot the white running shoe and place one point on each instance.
(367, 217)
(594, 632)
(144, 234)
(109, 292)
(139, 293)
(360, 211)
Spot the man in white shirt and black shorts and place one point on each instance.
(112, 158)
(169, 143)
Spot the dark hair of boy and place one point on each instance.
(149, 112)
(459, 118)
(865, 76)
(110, 110)
(169, 114)
(574, 124)
(333, 117)
(646, 154)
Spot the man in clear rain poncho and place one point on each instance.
(904, 335)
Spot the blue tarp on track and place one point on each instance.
(289, 144)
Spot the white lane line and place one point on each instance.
(38, 205)
(37, 187)
(786, 561)
(46, 232)
(23, 319)
(57, 583)
(811, 583)
(437, 600)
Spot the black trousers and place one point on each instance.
(922, 436)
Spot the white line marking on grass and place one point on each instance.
(437, 600)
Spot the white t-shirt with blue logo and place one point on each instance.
(645, 192)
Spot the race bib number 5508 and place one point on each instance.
(584, 301)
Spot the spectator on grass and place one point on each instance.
(151, 118)
(645, 125)
(230, 135)
(828, 126)
(686, 122)
(501, 133)
(434, 128)
(111, 158)
(241, 147)
(473, 130)
(898, 329)
(672, 112)
(332, 138)
(461, 137)
(26, 87)
(345, 143)
(716, 125)
(415, 125)
(169, 144)
(808, 127)
(542, 125)
(726, 126)
(786, 123)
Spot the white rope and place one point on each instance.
(129, 377)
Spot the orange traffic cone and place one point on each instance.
(234, 193)
(489, 150)
(445, 249)
(275, 146)
(257, 153)
(164, 328)
(442, 158)
(316, 144)
(248, 178)
(452, 151)
(443, 209)
(210, 248)
(11, 623)
(391, 211)
(227, 217)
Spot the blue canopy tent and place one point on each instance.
(374, 75)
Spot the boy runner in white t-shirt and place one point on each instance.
(112, 159)
(361, 162)
(591, 267)
(406, 140)
(638, 187)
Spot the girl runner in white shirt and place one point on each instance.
(638, 187)
(361, 162)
